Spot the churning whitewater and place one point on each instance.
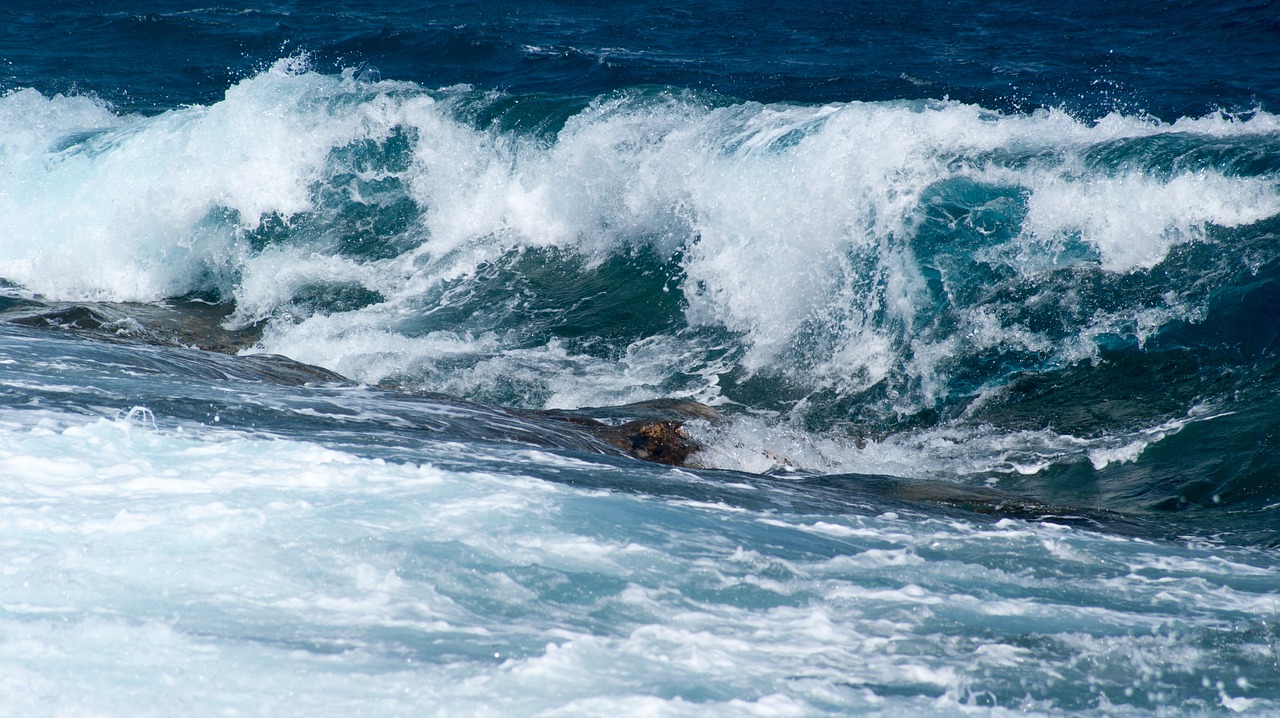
(872, 244)
(334, 392)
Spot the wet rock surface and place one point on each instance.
(180, 323)
(649, 430)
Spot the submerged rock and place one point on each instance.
(648, 430)
(178, 323)
(663, 442)
(188, 325)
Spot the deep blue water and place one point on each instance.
(1166, 59)
(296, 299)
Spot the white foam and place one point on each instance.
(118, 457)
(211, 571)
(34, 123)
(778, 210)
(130, 214)
(795, 226)
(948, 451)
(1134, 219)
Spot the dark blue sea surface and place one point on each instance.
(560, 358)
(1165, 59)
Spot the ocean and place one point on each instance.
(708, 359)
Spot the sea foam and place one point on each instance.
(841, 250)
